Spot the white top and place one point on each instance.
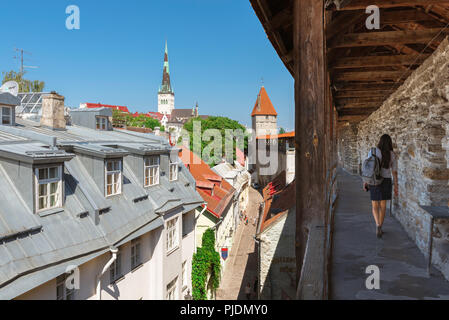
(386, 173)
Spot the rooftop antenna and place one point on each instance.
(19, 56)
(261, 81)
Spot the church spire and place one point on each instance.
(166, 86)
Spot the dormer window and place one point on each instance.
(6, 115)
(151, 171)
(102, 123)
(113, 174)
(48, 187)
(173, 172)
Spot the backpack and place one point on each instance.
(371, 170)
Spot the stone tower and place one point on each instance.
(166, 96)
(264, 116)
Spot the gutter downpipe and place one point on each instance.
(196, 218)
(204, 204)
(105, 268)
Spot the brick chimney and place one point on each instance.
(53, 111)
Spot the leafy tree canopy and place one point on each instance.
(121, 119)
(24, 84)
(221, 124)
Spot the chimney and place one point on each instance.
(53, 111)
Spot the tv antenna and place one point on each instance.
(20, 56)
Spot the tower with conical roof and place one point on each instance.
(264, 116)
(166, 95)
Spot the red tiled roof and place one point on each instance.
(212, 177)
(222, 193)
(204, 184)
(278, 199)
(155, 115)
(263, 105)
(99, 105)
(278, 136)
(240, 156)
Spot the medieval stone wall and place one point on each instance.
(416, 116)
(348, 156)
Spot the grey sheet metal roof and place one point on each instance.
(33, 152)
(8, 99)
(35, 248)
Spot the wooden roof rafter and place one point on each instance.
(364, 63)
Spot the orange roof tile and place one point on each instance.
(278, 199)
(204, 177)
(263, 105)
(278, 136)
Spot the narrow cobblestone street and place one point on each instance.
(242, 263)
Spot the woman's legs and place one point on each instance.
(383, 209)
(376, 215)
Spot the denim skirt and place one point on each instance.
(382, 191)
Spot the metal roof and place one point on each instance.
(7, 98)
(35, 248)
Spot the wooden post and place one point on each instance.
(310, 126)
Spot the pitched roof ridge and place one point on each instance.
(263, 104)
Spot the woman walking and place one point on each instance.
(382, 193)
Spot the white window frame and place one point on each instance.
(184, 275)
(2, 115)
(172, 234)
(115, 270)
(113, 182)
(62, 292)
(172, 290)
(153, 170)
(173, 171)
(48, 182)
(101, 123)
(135, 253)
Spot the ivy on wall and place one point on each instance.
(205, 261)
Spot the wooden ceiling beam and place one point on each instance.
(359, 105)
(362, 4)
(353, 118)
(282, 19)
(344, 86)
(357, 111)
(379, 61)
(404, 16)
(360, 100)
(339, 25)
(385, 38)
(362, 93)
(371, 76)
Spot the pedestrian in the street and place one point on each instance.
(248, 291)
(382, 192)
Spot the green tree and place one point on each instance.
(141, 121)
(118, 118)
(281, 130)
(24, 84)
(221, 124)
(204, 262)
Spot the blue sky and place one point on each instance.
(218, 54)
